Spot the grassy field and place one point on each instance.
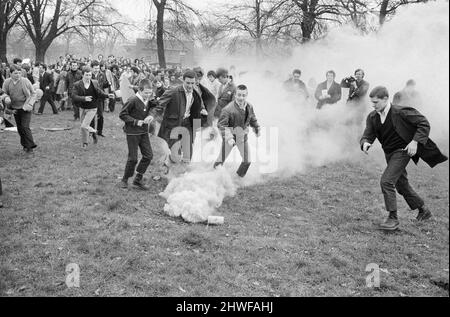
(312, 234)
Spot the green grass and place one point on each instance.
(312, 234)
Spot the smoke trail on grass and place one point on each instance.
(414, 45)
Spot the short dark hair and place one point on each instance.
(95, 63)
(379, 92)
(14, 68)
(17, 60)
(86, 69)
(332, 72)
(241, 87)
(44, 66)
(360, 70)
(135, 69)
(212, 73)
(189, 74)
(221, 72)
(145, 83)
(411, 82)
(297, 71)
(199, 71)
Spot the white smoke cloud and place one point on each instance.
(415, 44)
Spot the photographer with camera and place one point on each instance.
(356, 101)
(358, 86)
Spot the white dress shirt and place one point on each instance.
(189, 102)
(384, 113)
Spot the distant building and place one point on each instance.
(177, 52)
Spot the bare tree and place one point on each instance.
(388, 7)
(254, 22)
(180, 14)
(96, 25)
(356, 11)
(313, 14)
(45, 20)
(10, 12)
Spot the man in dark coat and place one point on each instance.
(47, 83)
(179, 107)
(329, 92)
(296, 86)
(404, 134)
(100, 77)
(72, 77)
(209, 100)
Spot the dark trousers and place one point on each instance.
(112, 104)
(100, 118)
(243, 150)
(76, 109)
(188, 125)
(136, 142)
(48, 97)
(23, 119)
(395, 178)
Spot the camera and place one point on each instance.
(349, 80)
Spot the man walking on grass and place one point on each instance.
(86, 95)
(135, 114)
(404, 135)
(20, 99)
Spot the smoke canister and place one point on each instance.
(216, 220)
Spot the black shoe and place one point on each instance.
(1, 204)
(94, 137)
(28, 150)
(100, 134)
(424, 214)
(391, 224)
(140, 185)
(38, 114)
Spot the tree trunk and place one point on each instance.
(3, 48)
(160, 36)
(383, 11)
(41, 50)
(307, 26)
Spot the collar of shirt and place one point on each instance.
(140, 97)
(385, 111)
(243, 107)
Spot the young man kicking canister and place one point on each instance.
(135, 114)
(234, 123)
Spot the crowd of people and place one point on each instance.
(183, 100)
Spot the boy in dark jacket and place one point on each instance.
(135, 114)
